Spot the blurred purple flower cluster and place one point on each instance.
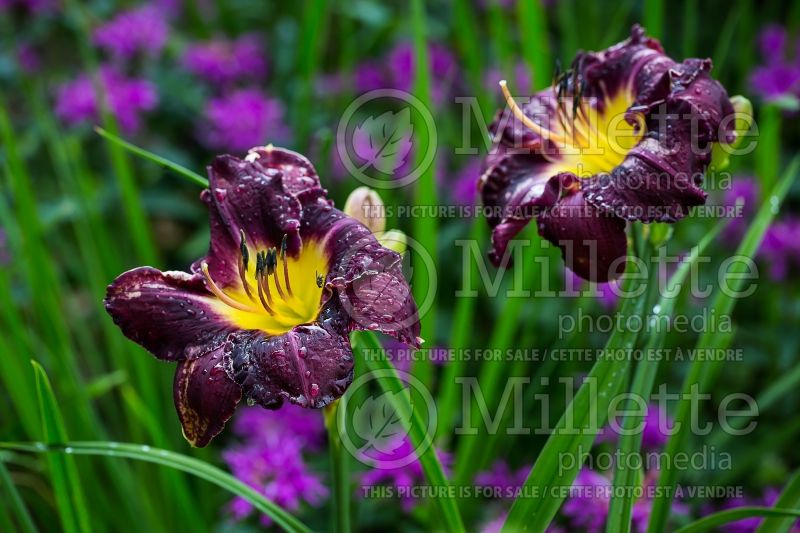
(606, 293)
(236, 117)
(779, 76)
(270, 459)
(76, 100)
(780, 248)
(240, 115)
(590, 496)
(500, 479)
(402, 478)
(223, 62)
(139, 30)
(656, 429)
(396, 71)
(242, 119)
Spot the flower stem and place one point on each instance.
(340, 470)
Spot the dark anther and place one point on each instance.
(283, 247)
(243, 248)
(259, 264)
(319, 280)
(271, 261)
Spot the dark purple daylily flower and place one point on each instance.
(266, 314)
(623, 135)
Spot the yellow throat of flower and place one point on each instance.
(589, 141)
(276, 292)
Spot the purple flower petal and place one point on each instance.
(310, 366)
(368, 278)
(205, 397)
(169, 313)
(593, 243)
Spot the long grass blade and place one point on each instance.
(194, 177)
(712, 522)
(425, 228)
(789, 499)
(170, 459)
(25, 521)
(64, 473)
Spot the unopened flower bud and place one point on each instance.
(394, 240)
(366, 206)
(742, 120)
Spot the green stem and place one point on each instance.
(340, 469)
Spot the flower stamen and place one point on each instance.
(260, 282)
(272, 270)
(219, 293)
(244, 259)
(530, 124)
(285, 266)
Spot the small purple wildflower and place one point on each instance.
(402, 478)
(442, 64)
(270, 460)
(502, 480)
(223, 62)
(780, 76)
(130, 32)
(305, 424)
(28, 58)
(587, 506)
(396, 71)
(655, 433)
(370, 76)
(463, 190)
(590, 496)
(398, 353)
(745, 190)
(127, 98)
(780, 248)
(243, 119)
(607, 293)
(363, 152)
(772, 43)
